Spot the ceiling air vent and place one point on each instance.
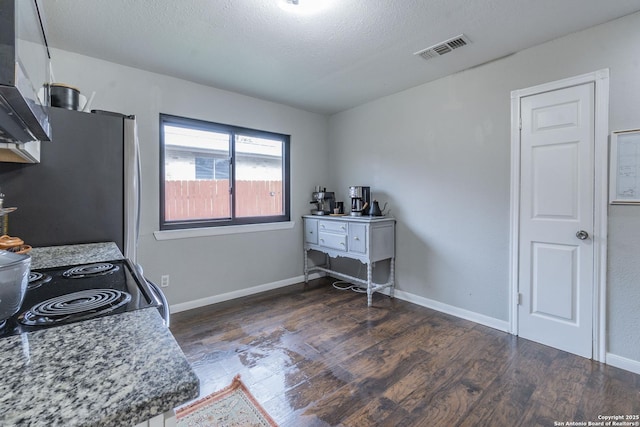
(444, 47)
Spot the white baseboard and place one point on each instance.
(623, 363)
(183, 306)
(406, 296)
(491, 322)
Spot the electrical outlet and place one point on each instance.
(164, 281)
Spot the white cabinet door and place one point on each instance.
(311, 231)
(358, 238)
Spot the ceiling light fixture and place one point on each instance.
(304, 7)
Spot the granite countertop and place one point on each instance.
(58, 256)
(116, 370)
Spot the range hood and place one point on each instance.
(24, 74)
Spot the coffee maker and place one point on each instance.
(324, 201)
(360, 199)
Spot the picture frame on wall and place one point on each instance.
(624, 167)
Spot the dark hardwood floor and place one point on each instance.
(318, 356)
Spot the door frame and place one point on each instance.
(600, 200)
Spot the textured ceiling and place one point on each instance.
(352, 52)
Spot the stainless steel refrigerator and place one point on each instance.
(86, 187)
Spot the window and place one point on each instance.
(211, 168)
(204, 167)
(213, 174)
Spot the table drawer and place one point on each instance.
(333, 240)
(332, 226)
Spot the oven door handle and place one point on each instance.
(158, 295)
(164, 304)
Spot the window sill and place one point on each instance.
(219, 231)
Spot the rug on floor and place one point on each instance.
(234, 405)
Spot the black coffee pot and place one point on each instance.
(374, 209)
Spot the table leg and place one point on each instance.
(306, 268)
(369, 284)
(392, 276)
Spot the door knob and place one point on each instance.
(582, 235)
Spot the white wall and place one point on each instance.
(205, 266)
(439, 153)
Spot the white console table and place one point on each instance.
(366, 239)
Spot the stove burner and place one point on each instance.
(74, 307)
(37, 279)
(91, 270)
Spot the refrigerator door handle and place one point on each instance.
(132, 181)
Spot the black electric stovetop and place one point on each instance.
(62, 295)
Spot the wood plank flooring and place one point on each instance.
(317, 356)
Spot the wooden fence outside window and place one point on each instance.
(209, 199)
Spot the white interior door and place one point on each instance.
(556, 252)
